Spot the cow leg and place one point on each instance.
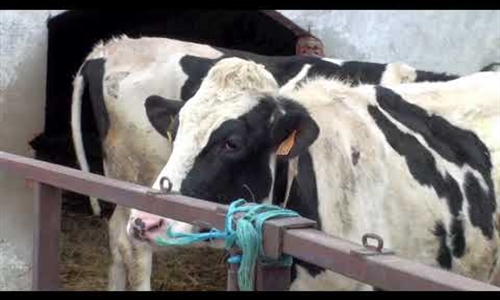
(117, 276)
(131, 262)
(139, 268)
(118, 244)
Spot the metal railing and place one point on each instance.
(294, 236)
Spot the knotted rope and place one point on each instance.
(245, 233)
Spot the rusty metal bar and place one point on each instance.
(128, 194)
(271, 278)
(232, 272)
(232, 277)
(47, 204)
(387, 272)
(273, 231)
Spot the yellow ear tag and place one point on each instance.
(287, 145)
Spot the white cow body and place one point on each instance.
(124, 73)
(381, 190)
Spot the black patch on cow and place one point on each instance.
(457, 237)
(174, 126)
(283, 69)
(280, 180)
(420, 161)
(481, 205)
(303, 199)
(162, 113)
(286, 68)
(493, 67)
(444, 254)
(303, 196)
(196, 68)
(296, 119)
(220, 173)
(355, 156)
(456, 145)
(365, 72)
(312, 269)
(431, 76)
(93, 74)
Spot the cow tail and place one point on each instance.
(76, 131)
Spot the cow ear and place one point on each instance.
(161, 112)
(293, 133)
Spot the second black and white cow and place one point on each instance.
(119, 75)
(416, 163)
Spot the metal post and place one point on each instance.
(272, 278)
(232, 277)
(232, 273)
(46, 237)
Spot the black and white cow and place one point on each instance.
(416, 163)
(122, 73)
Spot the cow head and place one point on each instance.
(227, 139)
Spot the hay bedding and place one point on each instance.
(85, 260)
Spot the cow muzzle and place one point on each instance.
(147, 228)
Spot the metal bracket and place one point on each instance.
(273, 231)
(369, 250)
(163, 190)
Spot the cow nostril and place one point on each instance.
(204, 230)
(136, 233)
(139, 223)
(157, 226)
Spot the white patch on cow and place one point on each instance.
(292, 83)
(272, 167)
(334, 60)
(292, 173)
(398, 72)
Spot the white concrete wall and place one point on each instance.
(458, 41)
(23, 57)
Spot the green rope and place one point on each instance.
(246, 235)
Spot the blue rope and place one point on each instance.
(246, 235)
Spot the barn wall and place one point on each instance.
(23, 50)
(458, 41)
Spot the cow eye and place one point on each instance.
(232, 143)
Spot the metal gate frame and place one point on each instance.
(294, 236)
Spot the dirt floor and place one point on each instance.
(85, 260)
